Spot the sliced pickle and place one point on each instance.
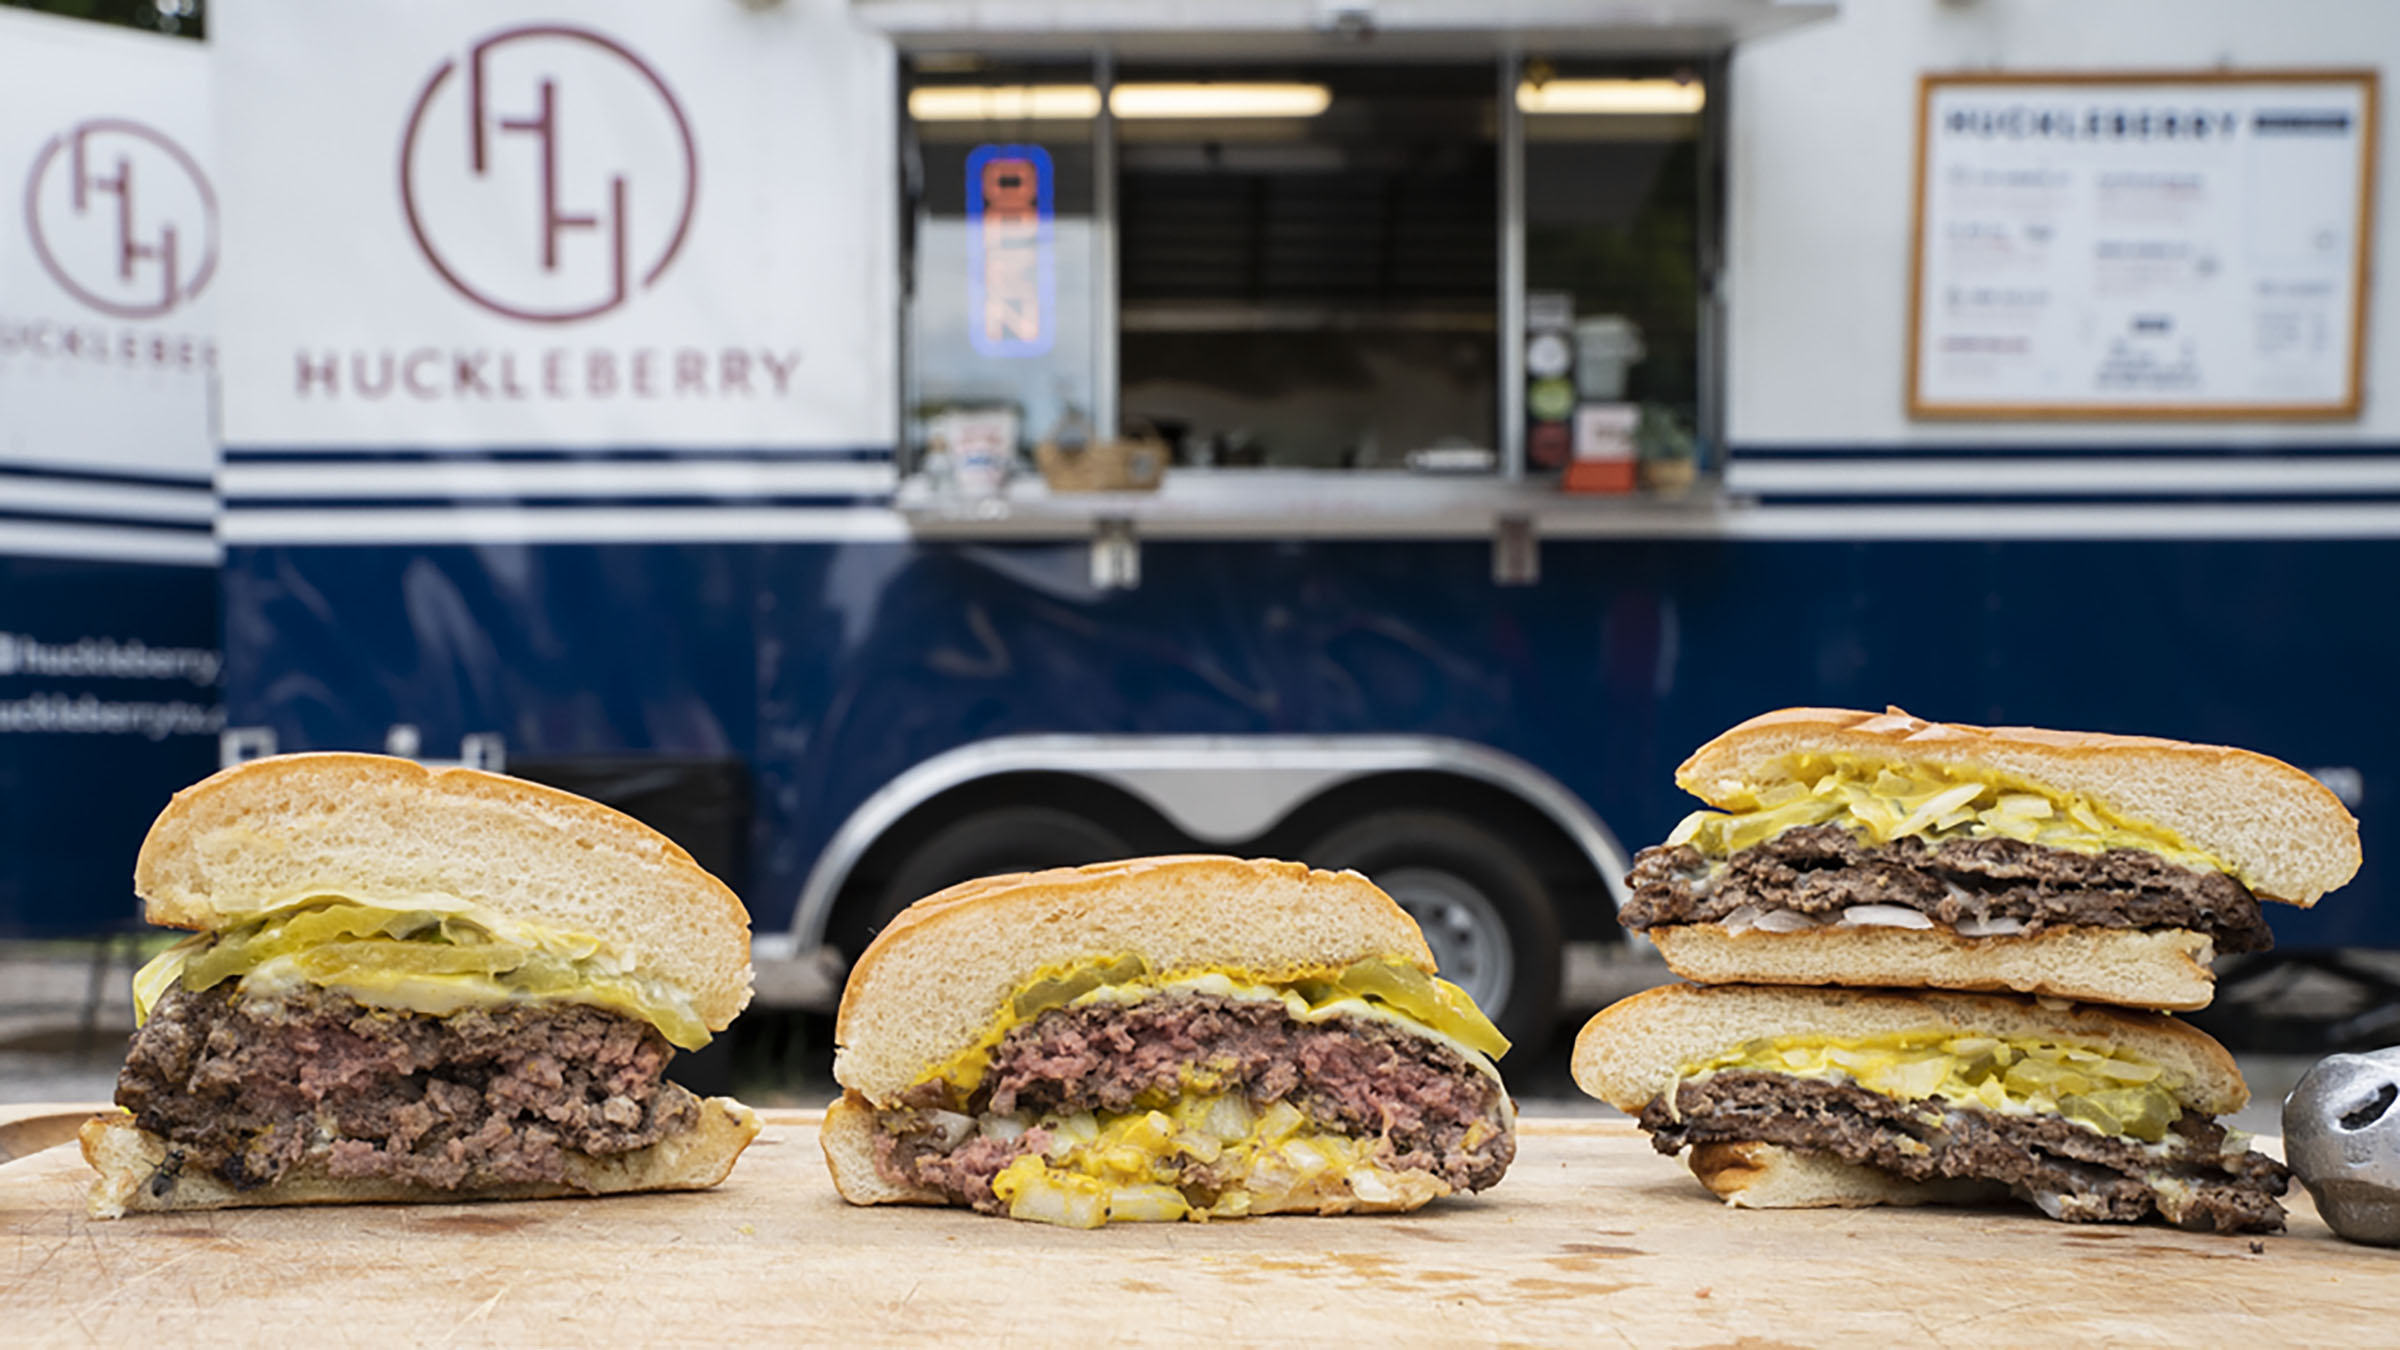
(336, 960)
(2091, 1112)
(1975, 1068)
(1404, 987)
(209, 965)
(1437, 1003)
(417, 959)
(2146, 1113)
(1883, 802)
(311, 926)
(1060, 990)
(2030, 1077)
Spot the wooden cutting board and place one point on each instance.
(1592, 1239)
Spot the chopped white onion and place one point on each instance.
(1752, 918)
(1884, 916)
(1003, 1128)
(1043, 1200)
(1367, 1185)
(1146, 1203)
(1229, 1118)
(1976, 928)
(953, 1126)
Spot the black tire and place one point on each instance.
(987, 843)
(1467, 887)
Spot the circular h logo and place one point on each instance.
(551, 177)
(122, 218)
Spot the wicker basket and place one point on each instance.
(1134, 464)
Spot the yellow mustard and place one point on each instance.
(428, 956)
(2109, 1092)
(1882, 803)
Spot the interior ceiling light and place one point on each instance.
(1219, 100)
(1003, 102)
(1634, 97)
(1035, 102)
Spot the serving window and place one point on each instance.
(1313, 291)
(1344, 267)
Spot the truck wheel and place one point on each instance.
(988, 843)
(1483, 910)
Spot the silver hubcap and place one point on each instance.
(1468, 937)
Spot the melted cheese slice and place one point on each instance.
(2107, 1092)
(431, 954)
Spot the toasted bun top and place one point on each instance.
(377, 828)
(941, 974)
(2281, 832)
(1631, 1053)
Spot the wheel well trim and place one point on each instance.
(1131, 764)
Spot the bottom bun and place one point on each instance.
(135, 1174)
(1770, 1176)
(2132, 968)
(848, 1138)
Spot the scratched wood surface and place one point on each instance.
(1593, 1239)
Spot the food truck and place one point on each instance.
(894, 441)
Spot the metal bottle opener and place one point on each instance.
(2341, 1134)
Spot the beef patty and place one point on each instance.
(243, 1089)
(1349, 1076)
(1820, 870)
(2069, 1171)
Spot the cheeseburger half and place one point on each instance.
(413, 984)
(1791, 1098)
(1163, 1038)
(1861, 849)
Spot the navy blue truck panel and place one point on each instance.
(109, 681)
(833, 666)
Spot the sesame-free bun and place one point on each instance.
(1752, 1175)
(2134, 967)
(130, 1160)
(1634, 1052)
(377, 828)
(2281, 832)
(848, 1140)
(941, 973)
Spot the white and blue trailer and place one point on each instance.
(587, 381)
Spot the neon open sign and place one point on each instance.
(1011, 281)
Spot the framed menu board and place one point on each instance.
(2141, 246)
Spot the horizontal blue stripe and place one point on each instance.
(437, 502)
(852, 455)
(107, 477)
(42, 517)
(2070, 450)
